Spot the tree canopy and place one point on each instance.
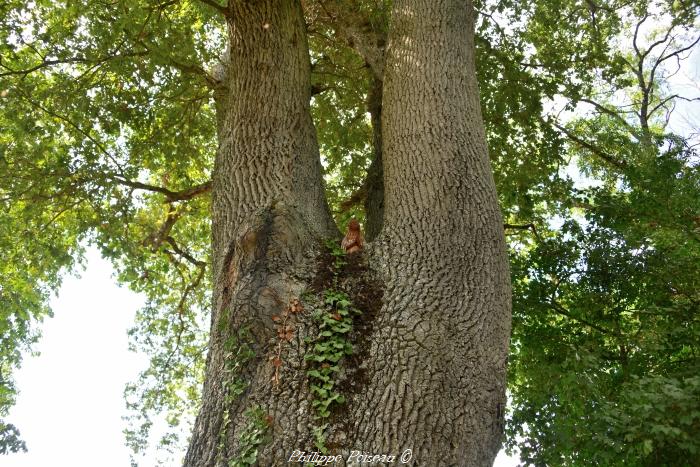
(108, 133)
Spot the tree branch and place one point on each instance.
(602, 109)
(223, 9)
(44, 64)
(184, 253)
(553, 305)
(355, 28)
(653, 45)
(171, 196)
(75, 126)
(156, 240)
(318, 89)
(669, 98)
(662, 58)
(185, 68)
(636, 35)
(180, 308)
(622, 165)
(49, 63)
(529, 226)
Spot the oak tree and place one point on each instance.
(215, 151)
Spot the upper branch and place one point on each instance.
(601, 108)
(223, 9)
(663, 57)
(355, 28)
(636, 35)
(555, 306)
(186, 68)
(663, 102)
(592, 148)
(49, 63)
(171, 196)
(530, 226)
(76, 127)
(184, 253)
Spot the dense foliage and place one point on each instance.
(107, 137)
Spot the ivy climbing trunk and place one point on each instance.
(430, 343)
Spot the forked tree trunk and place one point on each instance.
(429, 368)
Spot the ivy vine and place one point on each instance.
(329, 347)
(251, 437)
(237, 353)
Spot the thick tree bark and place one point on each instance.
(438, 354)
(268, 214)
(428, 372)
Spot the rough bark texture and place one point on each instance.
(268, 214)
(428, 372)
(436, 367)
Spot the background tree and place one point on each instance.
(606, 292)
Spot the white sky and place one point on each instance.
(685, 119)
(71, 396)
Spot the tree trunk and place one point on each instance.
(428, 370)
(268, 212)
(436, 368)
